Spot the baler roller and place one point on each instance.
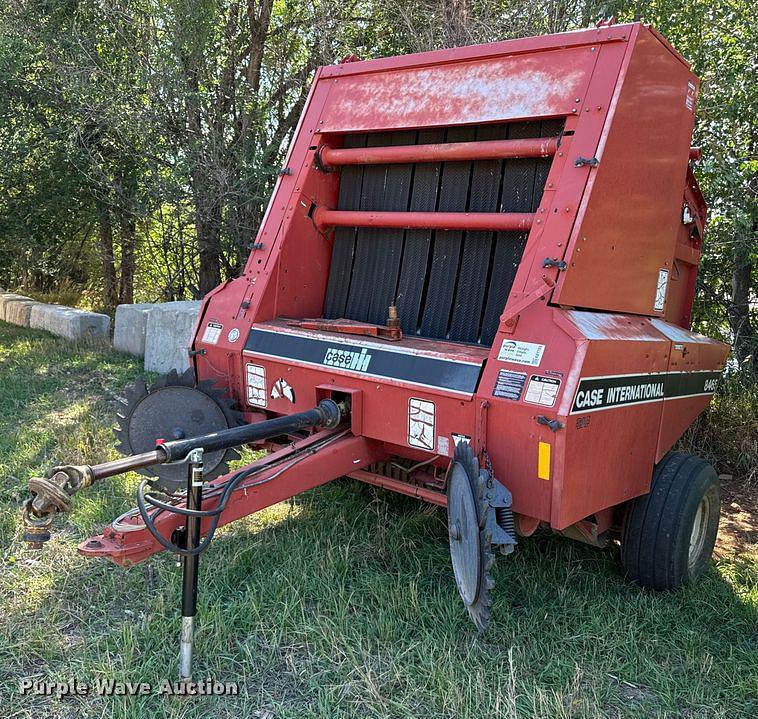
(333, 157)
(488, 221)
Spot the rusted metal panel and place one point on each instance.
(462, 93)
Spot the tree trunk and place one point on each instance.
(457, 22)
(745, 344)
(107, 260)
(128, 228)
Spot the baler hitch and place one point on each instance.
(54, 493)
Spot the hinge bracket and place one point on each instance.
(582, 161)
(558, 264)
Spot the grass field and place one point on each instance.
(339, 604)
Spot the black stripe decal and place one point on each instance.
(366, 359)
(595, 393)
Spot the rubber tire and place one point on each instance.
(655, 540)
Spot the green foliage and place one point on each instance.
(726, 434)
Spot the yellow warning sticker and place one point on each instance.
(543, 460)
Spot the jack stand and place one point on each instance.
(190, 563)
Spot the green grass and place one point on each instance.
(339, 604)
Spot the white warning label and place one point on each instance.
(542, 390)
(421, 423)
(256, 385)
(212, 333)
(660, 290)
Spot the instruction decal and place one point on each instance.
(421, 423)
(542, 390)
(660, 290)
(521, 352)
(509, 385)
(212, 333)
(256, 385)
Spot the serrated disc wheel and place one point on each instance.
(175, 407)
(470, 544)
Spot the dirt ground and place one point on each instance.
(738, 529)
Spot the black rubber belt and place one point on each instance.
(472, 287)
(343, 251)
(410, 290)
(517, 196)
(385, 272)
(447, 244)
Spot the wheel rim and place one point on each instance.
(699, 531)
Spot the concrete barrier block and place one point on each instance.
(130, 328)
(7, 298)
(18, 312)
(72, 323)
(169, 331)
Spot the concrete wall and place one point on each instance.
(130, 328)
(15, 309)
(168, 332)
(19, 312)
(73, 324)
(160, 332)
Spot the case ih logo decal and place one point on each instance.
(344, 359)
(595, 393)
(369, 360)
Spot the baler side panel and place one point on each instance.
(691, 354)
(626, 234)
(565, 198)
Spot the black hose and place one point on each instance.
(144, 498)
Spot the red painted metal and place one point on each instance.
(130, 543)
(396, 485)
(485, 150)
(619, 306)
(518, 221)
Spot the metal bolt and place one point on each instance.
(455, 532)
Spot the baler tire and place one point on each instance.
(668, 534)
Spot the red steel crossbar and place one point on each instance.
(439, 152)
(131, 542)
(505, 221)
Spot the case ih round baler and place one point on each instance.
(472, 285)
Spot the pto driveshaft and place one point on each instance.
(53, 494)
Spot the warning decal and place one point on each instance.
(509, 384)
(421, 420)
(256, 385)
(660, 290)
(212, 332)
(542, 390)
